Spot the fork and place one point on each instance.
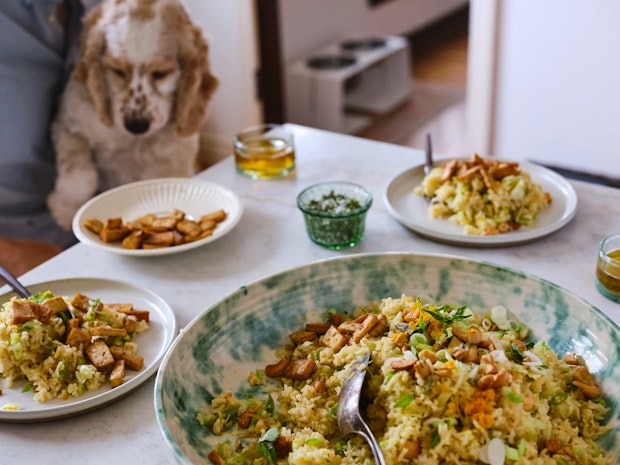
(349, 417)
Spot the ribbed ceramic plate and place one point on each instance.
(152, 344)
(160, 197)
(410, 210)
(219, 348)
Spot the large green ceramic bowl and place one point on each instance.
(217, 351)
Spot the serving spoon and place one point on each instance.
(14, 283)
(349, 418)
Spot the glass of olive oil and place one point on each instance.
(265, 151)
(608, 267)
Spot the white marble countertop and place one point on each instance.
(271, 237)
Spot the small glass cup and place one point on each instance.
(335, 213)
(265, 151)
(608, 267)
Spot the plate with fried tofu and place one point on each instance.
(91, 341)
(158, 216)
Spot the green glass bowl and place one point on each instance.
(335, 213)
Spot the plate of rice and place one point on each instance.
(55, 348)
(470, 363)
(461, 203)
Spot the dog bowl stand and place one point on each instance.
(342, 88)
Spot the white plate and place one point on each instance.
(152, 345)
(158, 196)
(410, 210)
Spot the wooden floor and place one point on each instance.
(438, 101)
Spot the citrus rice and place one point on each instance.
(485, 197)
(445, 386)
(36, 349)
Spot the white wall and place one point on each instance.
(557, 94)
(307, 25)
(231, 30)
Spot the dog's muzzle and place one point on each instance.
(137, 125)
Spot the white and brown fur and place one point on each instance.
(135, 103)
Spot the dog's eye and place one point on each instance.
(160, 74)
(118, 72)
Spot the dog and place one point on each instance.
(135, 102)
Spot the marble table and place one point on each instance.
(271, 237)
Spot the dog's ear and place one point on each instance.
(89, 69)
(196, 84)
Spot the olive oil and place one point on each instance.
(608, 273)
(265, 157)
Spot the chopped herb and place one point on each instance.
(558, 399)
(334, 203)
(435, 438)
(266, 449)
(515, 353)
(315, 442)
(404, 400)
(333, 411)
(28, 387)
(443, 314)
(269, 405)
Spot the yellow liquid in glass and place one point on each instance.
(608, 272)
(265, 157)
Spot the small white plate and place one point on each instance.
(152, 345)
(410, 210)
(158, 196)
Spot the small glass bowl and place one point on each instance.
(607, 278)
(335, 213)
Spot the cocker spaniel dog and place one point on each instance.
(135, 103)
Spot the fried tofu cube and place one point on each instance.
(217, 216)
(189, 228)
(77, 337)
(99, 354)
(118, 373)
(114, 235)
(299, 369)
(299, 337)
(158, 239)
(94, 225)
(127, 309)
(56, 304)
(133, 240)
(106, 331)
(334, 339)
(23, 310)
(132, 360)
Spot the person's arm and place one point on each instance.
(21, 255)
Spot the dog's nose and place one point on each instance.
(137, 125)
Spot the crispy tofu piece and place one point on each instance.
(207, 224)
(80, 301)
(189, 228)
(132, 360)
(319, 328)
(114, 235)
(118, 373)
(369, 322)
(56, 304)
(107, 331)
(23, 310)
(99, 354)
(333, 339)
(164, 224)
(380, 328)
(93, 225)
(158, 239)
(133, 240)
(78, 337)
(127, 309)
(299, 337)
(299, 369)
(217, 216)
(130, 323)
(113, 223)
(276, 369)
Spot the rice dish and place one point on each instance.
(66, 346)
(445, 385)
(486, 197)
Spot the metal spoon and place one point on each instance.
(12, 281)
(349, 417)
